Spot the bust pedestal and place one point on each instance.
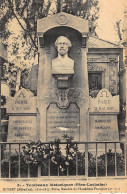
(63, 71)
(63, 79)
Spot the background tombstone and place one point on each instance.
(103, 126)
(22, 117)
(103, 117)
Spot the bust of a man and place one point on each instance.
(62, 64)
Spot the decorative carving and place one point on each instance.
(62, 19)
(77, 96)
(112, 62)
(95, 67)
(113, 77)
(93, 93)
(64, 97)
(104, 93)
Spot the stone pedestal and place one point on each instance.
(63, 80)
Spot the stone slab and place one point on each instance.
(104, 103)
(23, 102)
(63, 121)
(103, 128)
(22, 129)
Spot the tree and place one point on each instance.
(87, 10)
(27, 12)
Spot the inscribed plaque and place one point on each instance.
(63, 121)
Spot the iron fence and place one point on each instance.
(88, 159)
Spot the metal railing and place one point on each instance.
(98, 158)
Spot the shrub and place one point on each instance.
(37, 154)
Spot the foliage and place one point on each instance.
(3, 100)
(22, 43)
(27, 12)
(35, 152)
(93, 92)
(122, 116)
(122, 109)
(16, 75)
(62, 162)
(87, 10)
(10, 74)
(3, 109)
(111, 164)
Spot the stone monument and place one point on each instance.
(63, 105)
(22, 117)
(103, 117)
(63, 95)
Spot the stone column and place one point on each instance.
(44, 84)
(84, 114)
(84, 70)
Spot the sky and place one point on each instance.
(110, 12)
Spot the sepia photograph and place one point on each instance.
(63, 122)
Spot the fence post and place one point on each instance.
(9, 160)
(115, 160)
(0, 160)
(49, 163)
(106, 158)
(39, 170)
(76, 161)
(67, 165)
(58, 171)
(86, 160)
(19, 163)
(28, 170)
(96, 162)
(125, 157)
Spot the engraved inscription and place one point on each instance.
(103, 128)
(22, 129)
(62, 121)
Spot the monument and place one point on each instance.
(22, 117)
(103, 117)
(63, 104)
(63, 95)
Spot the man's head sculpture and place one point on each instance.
(62, 64)
(63, 44)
